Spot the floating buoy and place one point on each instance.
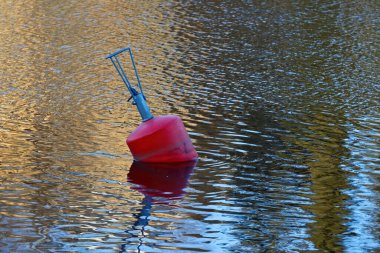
(161, 139)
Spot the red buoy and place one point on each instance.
(161, 139)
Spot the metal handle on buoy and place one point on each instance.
(138, 98)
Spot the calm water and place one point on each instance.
(280, 98)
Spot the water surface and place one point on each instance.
(280, 99)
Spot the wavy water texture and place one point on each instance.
(281, 100)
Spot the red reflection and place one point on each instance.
(161, 179)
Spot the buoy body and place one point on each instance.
(161, 139)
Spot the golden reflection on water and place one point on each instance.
(55, 78)
(328, 182)
(55, 71)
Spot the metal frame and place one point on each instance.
(138, 98)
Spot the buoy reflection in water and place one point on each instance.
(160, 183)
(166, 180)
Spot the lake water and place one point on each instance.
(280, 98)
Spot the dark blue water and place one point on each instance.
(281, 100)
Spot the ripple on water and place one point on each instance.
(280, 100)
